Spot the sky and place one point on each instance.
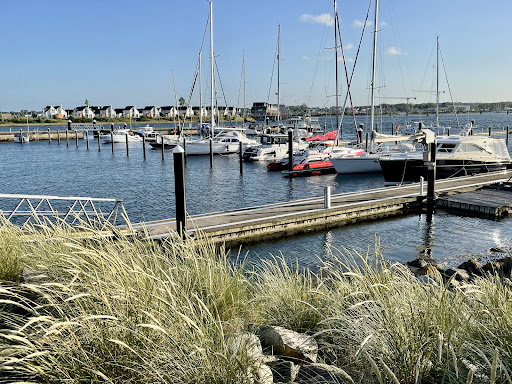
(126, 52)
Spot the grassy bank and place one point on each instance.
(133, 310)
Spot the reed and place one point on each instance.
(118, 309)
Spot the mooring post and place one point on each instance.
(76, 138)
(144, 146)
(127, 149)
(87, 139)
(325, 128)
(111, 127)
(69, 125)
(21, 136)
(507, 135)
(431, 188)
(211, 153)
(163, 148)
(327, 197)
(67, 137)
(366, 143)
(290, 149)
(112, 140)
(98, 133)
(490, 131)
(179, 190)
(241, 154)
(49, 136)
(392, 128)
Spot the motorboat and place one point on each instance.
(273, 146)
(120, 136)
(307, 123)
(455, 156)
(21, 138)
(311, 163)
(223, 143)
(168, 141)
(147, 131)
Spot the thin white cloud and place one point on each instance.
(306, 58)
(360, 24)
(324, 18)
(392, 51)
(348, 46)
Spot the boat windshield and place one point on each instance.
(469, 148)
(445, 147)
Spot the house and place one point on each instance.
(83, 112)
(131, 111)
(168, 111)
(203, 111)
(185, 111)
(151, 111)
(209, 111)
(118, 112)
(51, 112)
(104, 112)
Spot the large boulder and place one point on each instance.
(284, 371)
(472, 267)
(284, 342)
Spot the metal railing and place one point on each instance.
(23, 210)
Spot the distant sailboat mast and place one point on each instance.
(278, 71)
(212, 71)
(336, 64)
(437, 84)
(374, 63)
(200, 94)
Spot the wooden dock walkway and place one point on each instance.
(289, 218)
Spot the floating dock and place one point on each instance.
(488, 203)
(272, 221)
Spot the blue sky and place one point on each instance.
(119, 53)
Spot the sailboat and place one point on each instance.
(368, 161)
(221, 141)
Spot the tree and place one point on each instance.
(181, 101)
(86, 102)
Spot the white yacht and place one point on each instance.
(120, 135)
(455, 156)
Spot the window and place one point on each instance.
(469, 148)
(445, 147)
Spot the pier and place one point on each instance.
(277, 220)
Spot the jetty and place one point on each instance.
(271, 221)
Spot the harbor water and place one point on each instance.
(147, 190)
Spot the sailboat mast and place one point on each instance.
(212, 71)
(374, 64)
(278, 71)
(176, 103)
(243, 71)
(200, 94)
(336, 61)
(437, 84)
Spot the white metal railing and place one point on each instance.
(41, 209)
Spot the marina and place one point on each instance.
(145, 185)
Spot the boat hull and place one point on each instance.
(410, 170)
(357, 164)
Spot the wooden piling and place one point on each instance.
(58, 136)
(241, 153)
(163, 148)
(112, 140)
(127, 149)
(211, 153)
(290, 150)
(179, 190)
(144, 146)
(49, 137)
(76, 138)
(87, 139)
(67, 137)
(21, 136)
(490, 131)
(507, 135)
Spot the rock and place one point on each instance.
(427, 280)
(262, 374)
(322, 373)
(428, 270)
(245, 343)
(284, 342)
(493, 267)
(472, 267)
(284, 371)
(461, 274)
(419, 263)
(507, 266)
(498, 250)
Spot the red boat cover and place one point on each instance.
(328, 136)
